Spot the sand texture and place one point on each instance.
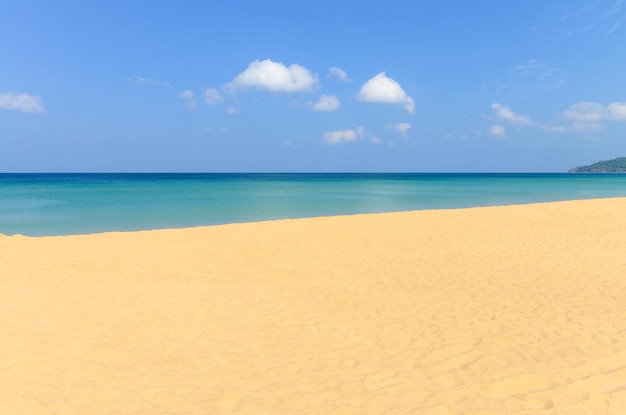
(503, 310)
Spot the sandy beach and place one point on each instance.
(499, 310)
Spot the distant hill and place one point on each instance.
(617, 165)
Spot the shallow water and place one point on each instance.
(60, 204)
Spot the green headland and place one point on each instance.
(617, 165)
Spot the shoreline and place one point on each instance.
(503, 309)
(2, 235)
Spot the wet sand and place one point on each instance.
(500, 310)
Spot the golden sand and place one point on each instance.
(500, 310)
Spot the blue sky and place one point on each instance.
(220, 86)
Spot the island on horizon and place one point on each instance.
(617, 165)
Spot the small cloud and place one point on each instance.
(275, 77)
(343, 136)
(212, 96)
(140, 80)
(384, 90)
(287, 142)
(585, 111)
(505, 113)
(185, 94)
(338, 73)
(463, 136)
(190, 104)
(593, 111)
(497, 131)
(21, 102)
(617, 111)
(375, 140)
(326, 103)
(232, 111)
(403, 128)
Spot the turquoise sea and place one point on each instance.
(61, 204)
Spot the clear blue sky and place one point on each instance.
(445, 86)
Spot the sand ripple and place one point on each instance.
(505, 310)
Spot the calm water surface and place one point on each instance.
(60, 204)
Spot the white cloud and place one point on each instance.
(497, 131)
(275, 77)
(21, 102)
(403, 128)
(185, 94)
(343, 136)
(212, 96)
(326, 103)
(618, 110)
(382, 89)
(584, 117)
(338, 73)
(505, 113)
(232, 111)
(585, 111)
(589, 116)
(575, 127)
(594, 112)
(140, 80)
(375, 140)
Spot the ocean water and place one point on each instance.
(61, 204)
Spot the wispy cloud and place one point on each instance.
(338, 73)
(580, 117)
(535, 68)
(614, 8)
(21, 102)
(275, 77)
(505, 113)
(615, 26)
(575, 127)
(140, 80)
(384, 90)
